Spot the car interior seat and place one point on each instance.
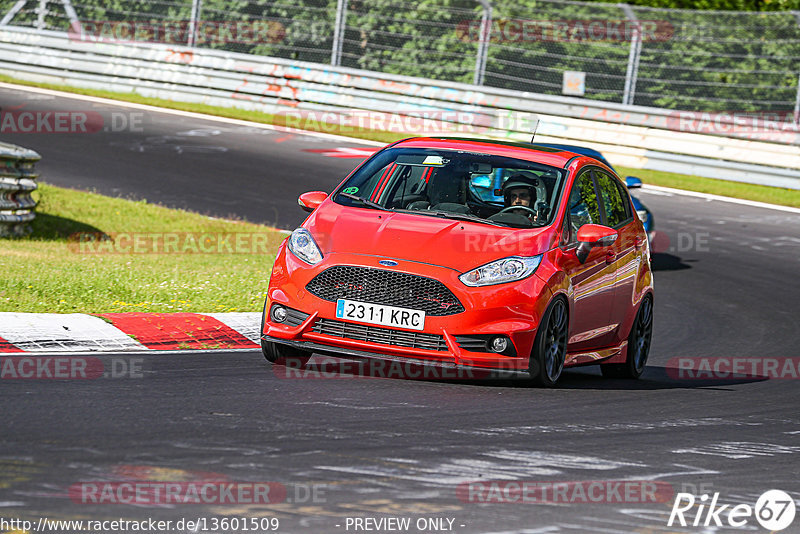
(447, 191)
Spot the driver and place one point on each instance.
(519, 190)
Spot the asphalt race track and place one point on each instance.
(211, 167)
(345, 447)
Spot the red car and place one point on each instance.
(417, 256)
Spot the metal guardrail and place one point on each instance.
(610, 52)
(630, 135)
(17, 182)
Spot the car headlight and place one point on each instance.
(501, 271)
(303, 246)
(642, 215)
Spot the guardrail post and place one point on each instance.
(338, 32)
(74, 23)
(41, 11)
(483, 42)
(797, 98)
(797, 102)
(194, 19)
(632, 71)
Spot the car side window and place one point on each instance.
(615, 204)
(626, 198)
(582, 207)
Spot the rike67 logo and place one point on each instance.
(774, 511)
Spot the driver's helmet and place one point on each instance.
(518, 181)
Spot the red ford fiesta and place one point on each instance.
(468, 253)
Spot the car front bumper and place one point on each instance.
(511, 309)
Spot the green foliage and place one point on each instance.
(724, 5)
(746, 57)
(583, 205)
(613, 202)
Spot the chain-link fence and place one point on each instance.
(676, 59)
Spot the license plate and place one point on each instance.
(365, 312)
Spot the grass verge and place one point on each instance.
(67, 265)
(760, 193)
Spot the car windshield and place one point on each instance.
(454, 184)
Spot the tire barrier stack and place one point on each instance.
(17, 182)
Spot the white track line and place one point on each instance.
(342, 138)
(709, 196)
(191, 114)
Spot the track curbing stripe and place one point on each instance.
(128, 332)
(38, 332)
(6, 347)
(170, 331)
(247, 324)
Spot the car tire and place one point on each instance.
(278, 354)
(550, 345)
(638, 345)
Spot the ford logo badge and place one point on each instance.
(388, 263)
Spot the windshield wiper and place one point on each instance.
(456, 216)
(364, 201)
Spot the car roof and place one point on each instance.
(582, 150)
(553, 156)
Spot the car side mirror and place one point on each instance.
(633, 182)
(311, 200)
(594, 235)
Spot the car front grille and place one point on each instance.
(390, 288)
(385, 336)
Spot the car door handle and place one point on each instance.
(637, 242)
(610, 257)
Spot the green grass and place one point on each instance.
(774, 195)
(760, 193)
(49, 272)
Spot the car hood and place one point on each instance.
(459, 245)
